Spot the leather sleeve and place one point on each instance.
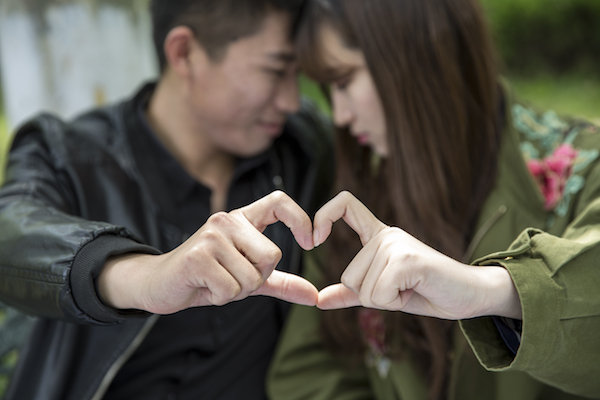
(48, 255)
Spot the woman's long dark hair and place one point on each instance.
(434, 67)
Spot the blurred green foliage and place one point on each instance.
(550, 51)
(313, 91)
(570, 94)
(550, 36)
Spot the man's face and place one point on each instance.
(240, 102)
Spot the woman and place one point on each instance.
(491, 216)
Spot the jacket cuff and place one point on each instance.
(540, 303)
(86, 268)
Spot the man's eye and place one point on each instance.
(279, 73)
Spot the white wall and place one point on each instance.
(67, 56)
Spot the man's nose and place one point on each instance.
(287, 97)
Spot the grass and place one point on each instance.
(573, 94)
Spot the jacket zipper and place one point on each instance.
(482, 231)
(116, 366)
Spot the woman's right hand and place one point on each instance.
(395, 271)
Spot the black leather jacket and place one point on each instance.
(53, 222)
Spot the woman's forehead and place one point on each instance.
(329, 56)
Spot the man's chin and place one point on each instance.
(252, 151)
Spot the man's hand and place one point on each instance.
(226, 260)
(394, 271)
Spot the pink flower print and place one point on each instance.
(552, 173)
(372, 325)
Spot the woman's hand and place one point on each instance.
(394, 271)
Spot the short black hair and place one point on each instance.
(215, 23)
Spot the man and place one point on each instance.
(157, 206)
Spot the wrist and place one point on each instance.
(500, 296)
(120, 281)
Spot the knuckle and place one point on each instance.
(405, 258)
(269, 258)
(219, 219)
(279, 195)
(227, 294)
(191, 259)
(346, 195)
(275, 255)
(211, 236)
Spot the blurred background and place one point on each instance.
(64, 56)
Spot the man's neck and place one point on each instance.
(178, 131)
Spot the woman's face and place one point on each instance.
(356, 103)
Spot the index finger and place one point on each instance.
(347, 207)
(278, 206)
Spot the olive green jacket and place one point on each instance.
(552, 252)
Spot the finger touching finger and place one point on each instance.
(347, 207)
(337, 296)
(289, 287)
(278, 206)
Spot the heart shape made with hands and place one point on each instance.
(279, 207)
(348, 208)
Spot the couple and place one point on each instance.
(122, 230)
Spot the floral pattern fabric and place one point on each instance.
(372, 326)
(552, 159)
(554, 163)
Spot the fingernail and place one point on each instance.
(316, 238)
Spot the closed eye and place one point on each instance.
(277, 72)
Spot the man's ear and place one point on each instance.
(181, 49)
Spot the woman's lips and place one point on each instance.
(362, 139)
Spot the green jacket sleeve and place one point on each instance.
(558, 281)
(304, 369)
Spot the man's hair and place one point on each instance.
(215, 23)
